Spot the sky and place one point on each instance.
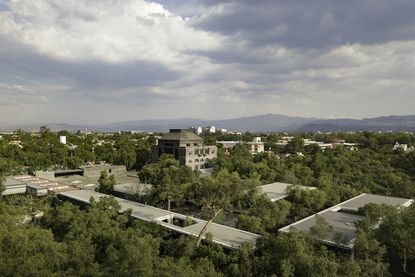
(102, 61)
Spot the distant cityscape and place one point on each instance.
(261, 123)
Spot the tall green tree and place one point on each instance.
(214, 194)
(397, 232)
(106, 183)
(295, 145)
(1, 185)
(370, 255)
(169, 180)
(322, 229)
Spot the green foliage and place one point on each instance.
(322, 229)
(296, 145)
(305, 202)
(250, 223)
(42, 150)
(215, 195)
(100, 241)
(97, 241)
(1, 184)
(397, 232)
(263, 215)
(294, 254)
(106, 183)
(169, 180)
(370, 255)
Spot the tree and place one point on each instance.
(169, 180)
(294, 254)
(214, 195)
(249, 223)
(305, 202)
(106, 183)
(264, 215)
(312, 149)
(295, 145)
(1, 185)
(143, 154)
(126, 153)
(397, 232)
(370, 255)
(322, 229)
(170, 186)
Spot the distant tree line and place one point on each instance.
(42, 150)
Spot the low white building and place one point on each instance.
(397, 146)
(277, 191)
(255, 147)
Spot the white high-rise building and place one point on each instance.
(62, 139)
(210, 129)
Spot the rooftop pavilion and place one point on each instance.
(33, 185)
(12, 186)
(223, 235)
(277, 191)
(342, 217)
(37, 182)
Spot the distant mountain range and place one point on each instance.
(382, 123)
(260, 123)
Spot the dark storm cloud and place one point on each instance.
(206, 58)
(20, 61)
(316, 24)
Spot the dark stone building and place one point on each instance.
(186, 147)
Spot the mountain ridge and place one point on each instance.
(258, 123)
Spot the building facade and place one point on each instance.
(255, 147)
(186, 147)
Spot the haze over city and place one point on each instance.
(104, 61)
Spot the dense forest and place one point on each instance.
(99, 241)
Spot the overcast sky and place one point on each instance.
(99, 61)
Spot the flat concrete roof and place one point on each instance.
(100, 166)
(50, 185)
(132, 188)
(92, 182)
(19, 184)
(343, 218)
(224, 235)
(78, 180)
(12, 186)
(363, 199)
(9, 182)
(277, 191)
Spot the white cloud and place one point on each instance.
(110, 31)
(139, 59)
